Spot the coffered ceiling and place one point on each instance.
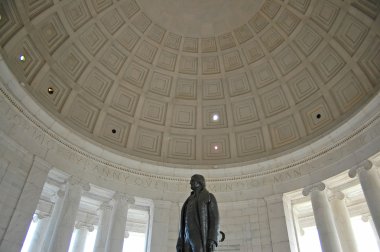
(196, 82)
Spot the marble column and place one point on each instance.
(370, 183)
(118, 224)
(324, 220)
(42, 222)
(342, 222)
(81, 230)
(58, 201)
(61, 237)
(104, 211)
(368, 218)
(160, 227)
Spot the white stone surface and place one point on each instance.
(116, 234)
(58, 198)
(82, 231)
(21, 187)
(324, 219)
(105, 211)
(64, 227)
(342, 222)
(370, 182)
(42, 223)
(160, 227)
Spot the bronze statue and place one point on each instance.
(199, 224)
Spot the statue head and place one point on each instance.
(197, 182)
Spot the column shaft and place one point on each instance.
(370, 184)
(66, 220)
(39, 233)
(160, 227)
(343, 223)
(115, 239)
(324, 220)
(81, 232)
(53, 220)
(105, 211)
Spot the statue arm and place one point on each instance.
(181, 228)
(213, 221)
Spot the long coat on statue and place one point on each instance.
(208, 217)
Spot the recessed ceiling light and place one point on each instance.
(318, 116)
(22, 58)
(50, 90)
(113, 131)
(216, 147)
(215, 117)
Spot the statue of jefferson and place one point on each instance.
(199, 224)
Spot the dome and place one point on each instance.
(203, 84)
(108, 107)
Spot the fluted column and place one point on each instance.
(118, 224)
(104, 211)
(370, 183)
(66, 219)
(324, 220)
(58, 199)
(42, 222)
(82, 230)
(342, 222)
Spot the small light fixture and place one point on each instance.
(22, 58)
(216, 147)
(215, 117)
(113, 131)
(318, 116)
(50, 90)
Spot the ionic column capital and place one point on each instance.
(39, 216)
(58, 195)
(366, 217)
(104, 207)
(336, 195)
(74, 181)
(83, 225)
(118, 196)
(365, 165)
(320, 186)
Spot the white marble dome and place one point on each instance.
(145, 78)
